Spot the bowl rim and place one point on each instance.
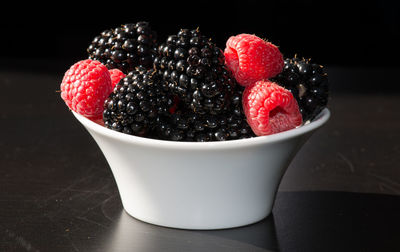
(319, 120)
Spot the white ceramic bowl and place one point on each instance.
(208, 185)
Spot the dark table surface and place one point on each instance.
(340, 193)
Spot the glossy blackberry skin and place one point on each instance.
(308, 83)
(193, 68)
(125, 47)
(237, 126)
(188, 95)
(136, 103)
(186, 125)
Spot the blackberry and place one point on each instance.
(136, 103)
(187, 125)
(125, 47)
(308, 83)
(237, 125)
(193, 69)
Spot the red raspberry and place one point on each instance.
(85, 86)
(116, 76)
(270, 108)
(251, 58)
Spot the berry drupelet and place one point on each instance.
(136, 103)
(189, 95)
(125, 47)
(186, 125)
(308, 83)
(193, 69)
(237, 126)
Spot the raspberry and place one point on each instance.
(116, 76)
(251, 58)
(85, 86)
(270, 108)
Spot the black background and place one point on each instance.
(331, 32)
(57, 192)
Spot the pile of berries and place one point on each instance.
(185, 88)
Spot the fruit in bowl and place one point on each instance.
(201, 137)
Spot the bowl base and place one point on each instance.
(196, 227)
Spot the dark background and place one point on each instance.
(340, 193)
(340, 33)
